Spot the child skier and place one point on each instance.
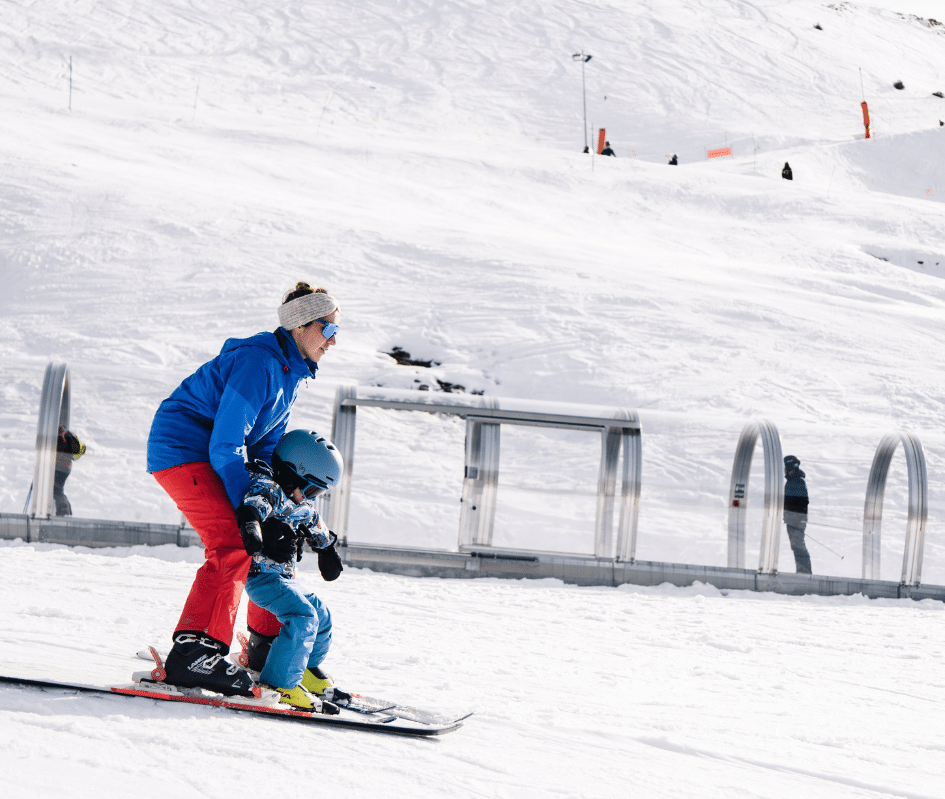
(277, 514)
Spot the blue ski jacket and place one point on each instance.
(234, 408)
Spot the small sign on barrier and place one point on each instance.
(722, 151)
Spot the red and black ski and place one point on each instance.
(379, 721)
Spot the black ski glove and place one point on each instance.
(250, 531)
(329, 563)
(278, 541)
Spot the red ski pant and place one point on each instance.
(218, 586)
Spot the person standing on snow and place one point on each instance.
(795, 512)
(68, 449)
(787, 173)
(277, 515)
(234, 408)
(607, 150)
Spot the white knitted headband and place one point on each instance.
(305, 309)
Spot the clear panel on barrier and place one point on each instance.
(836, 466)
(836, 463)
(687, 469)
(547, 496)
(933, 564)
(407, 492)
(407, 475)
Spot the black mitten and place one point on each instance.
(278, 541)
(329, 563)
(250, 531)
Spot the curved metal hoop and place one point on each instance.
(774, 496)
(918, 507)
(630, 491)
(53, 411)
(342, 435)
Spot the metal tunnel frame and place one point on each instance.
(53, 411)
(918, 507)
(614, 559)
(619, 429)
(773, 501)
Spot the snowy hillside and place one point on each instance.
(423, 161)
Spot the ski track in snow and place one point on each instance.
(423, 161)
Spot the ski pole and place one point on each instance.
(824, 546)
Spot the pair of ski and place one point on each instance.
(361, 713)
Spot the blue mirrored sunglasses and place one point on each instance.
(328, 328)
(313, 487)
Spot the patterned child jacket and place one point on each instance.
(273, 506)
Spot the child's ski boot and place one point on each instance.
(299, 699)
(317, 682)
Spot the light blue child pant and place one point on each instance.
(305, 637)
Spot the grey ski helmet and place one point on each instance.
(307, 460)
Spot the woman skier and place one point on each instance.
(233, 409)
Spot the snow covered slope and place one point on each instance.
(423, 160)
(578, 692)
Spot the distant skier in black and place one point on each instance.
(587, 149)
(68, 449)
(607, 150)
(673, 161)
(795, 512)
(786, 173)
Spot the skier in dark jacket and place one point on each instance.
(786, 173)
(607, 150)
(795, 512)
(68, 449)
(232, 409)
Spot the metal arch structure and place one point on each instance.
(918, 507)
(631, 440)
(53, 412)
(773, 498)
(343, 426)
(480, 480)
(619, 429)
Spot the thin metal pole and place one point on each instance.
(70, 83)
(584, 97)
(196, 94)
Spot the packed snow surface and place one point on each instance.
(578, 692)
(171, 169)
